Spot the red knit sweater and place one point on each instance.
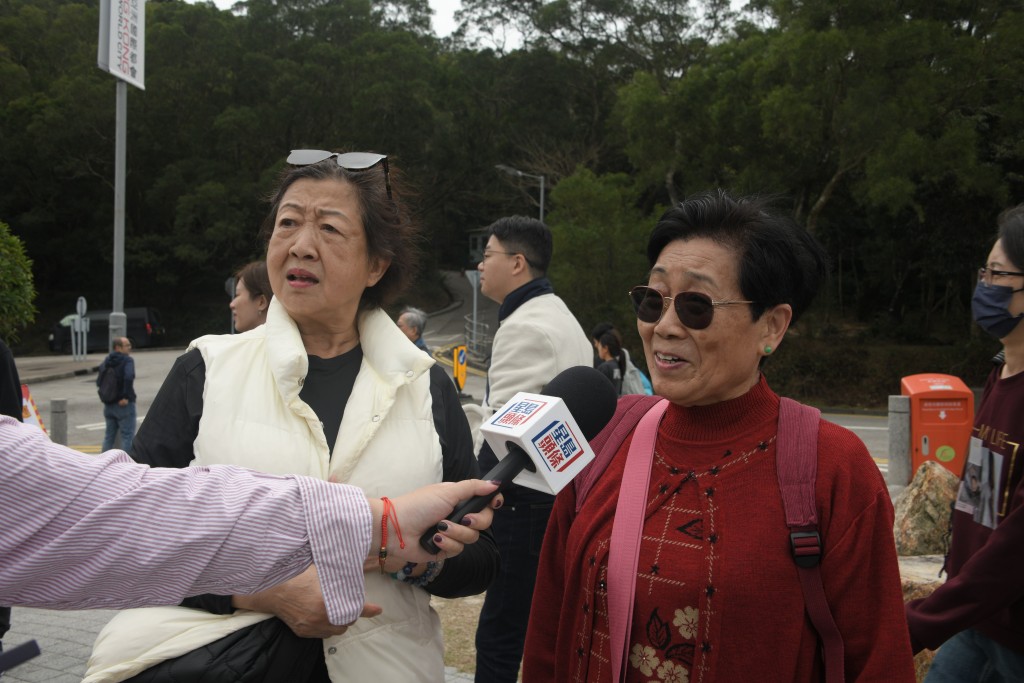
(718, 598)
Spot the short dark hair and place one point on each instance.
(1011, 232)
(527, 236)
(391, 230)
(257, 282)
(780, 262)
(599, 329)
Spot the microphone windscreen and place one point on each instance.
(588, 395)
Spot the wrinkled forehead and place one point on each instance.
(696, 261)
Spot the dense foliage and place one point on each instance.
(16, 289)
(893, 130)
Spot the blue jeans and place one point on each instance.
(500, 634)
(970, 657)
(119, 419)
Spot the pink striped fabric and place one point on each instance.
(80, 531)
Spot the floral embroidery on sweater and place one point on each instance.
(680, 537)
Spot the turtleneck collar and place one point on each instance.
(721, 420)
(521, 295)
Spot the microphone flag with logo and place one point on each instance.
(543, 436)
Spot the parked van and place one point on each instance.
(144, 329)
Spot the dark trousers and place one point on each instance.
(5, 623)
(518, 531)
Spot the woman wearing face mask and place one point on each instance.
(977, 616)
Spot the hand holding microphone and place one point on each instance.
(544, 437)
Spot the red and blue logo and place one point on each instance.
(558, 446)
(517, 414)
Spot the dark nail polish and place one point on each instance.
(467, 520)
(496, 482)
(438, 539)
(498, 503)
(442, 526)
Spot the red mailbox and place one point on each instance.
(941, 420)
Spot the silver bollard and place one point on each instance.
(59, 421)
(899, 441)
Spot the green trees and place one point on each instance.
(894, 132)
(16, 289)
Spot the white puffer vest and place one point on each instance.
(253, 417)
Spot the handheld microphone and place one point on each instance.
(544, 437)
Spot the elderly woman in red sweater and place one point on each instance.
(716, 591)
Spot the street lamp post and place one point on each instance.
(516, 172)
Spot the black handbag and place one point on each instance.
(267, 652)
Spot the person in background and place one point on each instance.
(252, 296)
(537, 338)
(977, 615)
(412, 321)
(634, 381)
(120, 414)
(11, 405)
(87, 539)
(328, 387)
(10, 384)
(718, 596)
(613, 360)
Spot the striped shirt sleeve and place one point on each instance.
(79, 531)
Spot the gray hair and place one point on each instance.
(415, 317)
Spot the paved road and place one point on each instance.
(66, 638)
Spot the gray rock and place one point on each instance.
(923, 509)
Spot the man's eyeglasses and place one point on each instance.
(985, 274)
(350, 161)
(491, 252)
(695, 310)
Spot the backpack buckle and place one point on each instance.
(806, 547)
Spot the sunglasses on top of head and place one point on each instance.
(350, 161)
(695, 310)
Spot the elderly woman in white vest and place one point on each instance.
(328, 387)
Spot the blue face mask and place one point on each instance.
(990, 306)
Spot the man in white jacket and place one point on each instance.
(537, 338)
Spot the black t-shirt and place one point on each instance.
(327, 387)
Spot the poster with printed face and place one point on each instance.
(979, 490)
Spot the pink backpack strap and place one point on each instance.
(606, 444)
(627, 530)
(797, 463)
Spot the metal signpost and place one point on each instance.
(474, 280)
(121, 52)
(80, 330)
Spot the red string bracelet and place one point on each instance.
(389, 511)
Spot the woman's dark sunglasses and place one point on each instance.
(350, 161)
(695, 310)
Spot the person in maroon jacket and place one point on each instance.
(717, 591)
(977, 616)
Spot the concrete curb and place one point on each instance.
(443, 355)
(30, 378)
